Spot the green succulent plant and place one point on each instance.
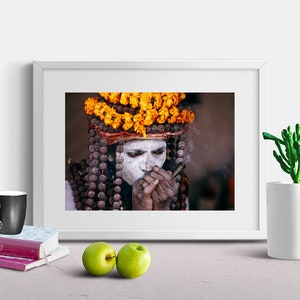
(288, 155)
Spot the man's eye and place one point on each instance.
(134, 154)
(158, 151)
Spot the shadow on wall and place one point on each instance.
(17, 159)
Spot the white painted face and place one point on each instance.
(140, 156)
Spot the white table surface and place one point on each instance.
(179, 270)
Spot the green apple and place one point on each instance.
(99, 258)
(133, 260)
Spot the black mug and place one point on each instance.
(12, 211)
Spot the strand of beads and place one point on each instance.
(102, 197)
(171, 149)
(75, 173)
(171, 157)
(183, 192)
(92, 170)
(117, 199)
(81, 186)
(183, 187)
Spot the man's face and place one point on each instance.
(140, 156)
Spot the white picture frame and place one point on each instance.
(247, 79)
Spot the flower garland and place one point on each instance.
(152, 108)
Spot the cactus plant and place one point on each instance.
(288, 155)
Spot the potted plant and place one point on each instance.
(283, 198)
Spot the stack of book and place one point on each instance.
(33, 247)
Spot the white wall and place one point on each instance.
(133, 29)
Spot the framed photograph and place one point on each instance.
(151, 150)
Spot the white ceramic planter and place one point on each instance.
(283, 220)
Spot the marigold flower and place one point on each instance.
(145, 101)
(157, 103)
(124, 99)
(140, 128)
(111, 97)
(164, 112)
(174, 111)
(89, 105)
(185, 116)
(128, 122)
(134, 102)
(150, 117)
(168, 102)
(172, 120)
(100, 110)
(116, 122)
(138, 118)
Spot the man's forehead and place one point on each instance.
(144, 144)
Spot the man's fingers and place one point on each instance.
(151, 186)
(162, 172)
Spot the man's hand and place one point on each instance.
(155, 191)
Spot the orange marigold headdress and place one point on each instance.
(138, 114)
